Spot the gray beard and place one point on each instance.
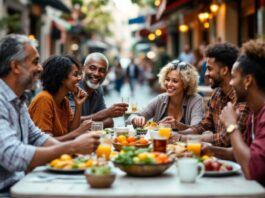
(91, 85)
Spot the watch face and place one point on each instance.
(231, 128)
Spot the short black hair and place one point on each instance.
(225, 54)
(55, 70)
(252, 61)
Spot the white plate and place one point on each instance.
(236, 169)
(70, 171)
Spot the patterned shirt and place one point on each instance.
(211, 120)
(18, 137)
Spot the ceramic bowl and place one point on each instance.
(100, 181)
(142, 170)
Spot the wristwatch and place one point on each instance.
(231, 128)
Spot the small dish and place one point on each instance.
(99, 181)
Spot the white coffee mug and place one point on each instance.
(188, 170)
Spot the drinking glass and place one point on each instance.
(159, 142)
(125, 100)
(97, 126)
(134, 106)
(165, 130)
(104, 149)
(194, 144)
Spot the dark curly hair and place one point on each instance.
(252, 61)
(225, 54)
(55, 70)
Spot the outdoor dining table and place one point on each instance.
(41, 183)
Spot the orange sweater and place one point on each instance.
(48, 116)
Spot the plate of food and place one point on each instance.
(121, 141)
(68, 164)
(216, 167)
(151, 125)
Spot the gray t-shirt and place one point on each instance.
(94, 103)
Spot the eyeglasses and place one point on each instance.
(179, 64)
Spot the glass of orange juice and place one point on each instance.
(194, 144)
(104, 149)
(164, 130)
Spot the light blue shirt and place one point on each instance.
(18, 137)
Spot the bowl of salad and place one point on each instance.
(142, 162)
(100, 176)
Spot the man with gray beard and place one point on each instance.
(23, 145)
(95, 70)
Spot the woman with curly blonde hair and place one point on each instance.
(180, 106)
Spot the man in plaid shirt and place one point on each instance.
(220, 59)
(23, 145)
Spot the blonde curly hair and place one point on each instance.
(188, 75)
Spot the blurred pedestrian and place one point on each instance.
(198, 59)
(186, 55)
(132, 74)
(119, 76)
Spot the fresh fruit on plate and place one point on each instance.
(178, 150)
(215, 165)
(67, 162)
(130, 141)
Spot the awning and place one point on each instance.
(170, 5)
(139, 19)
(57, 4)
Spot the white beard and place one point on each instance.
(91, 85)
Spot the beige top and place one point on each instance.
(193, 108)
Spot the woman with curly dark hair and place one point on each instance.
(50, 109)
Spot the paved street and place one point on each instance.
(143, 94)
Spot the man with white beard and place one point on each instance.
(95, 70)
